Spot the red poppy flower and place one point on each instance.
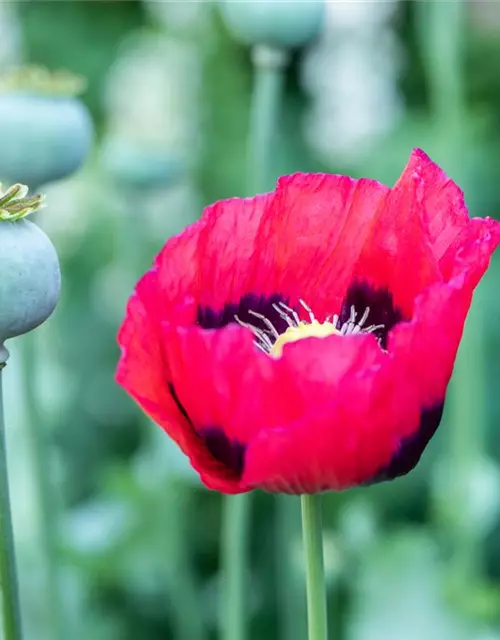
(303, 340)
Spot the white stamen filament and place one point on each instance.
(284, 315)
(267, 322)
(308, 309)
(294, 314)
(265, 338)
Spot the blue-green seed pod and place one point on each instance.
(276, 23)
(45, 133)
(130, 164)
(30, 279)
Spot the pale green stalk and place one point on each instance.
(442, 30)
(10, 613)
(266, 99)
(312, 529)
(47, 503)
(235, 537)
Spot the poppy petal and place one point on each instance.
(241, 396)
(226, 378)
(339, 444)
(223, 241)
(471, 251)
(143, 371)
(433, 336)
(409, 450)
(397, 242)
(406, 410)
(444, 210)
(314, 232)
(383, 312)
(228, 252)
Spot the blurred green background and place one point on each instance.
(169, 91)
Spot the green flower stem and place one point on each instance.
(184, 591)
(468, 409)
(47, 507)
(289, 584)
(441, 26)
(235, 534)
(268, 89)
(10, 614)
(269, 65)
(266, 98)
(468, 415)
(467, 421)
(315, 573)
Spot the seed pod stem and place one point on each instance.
(11, 615)
(29, 291)
(41, 458)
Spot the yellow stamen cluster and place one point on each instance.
(314, 329)
(271, 342)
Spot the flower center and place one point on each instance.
(272, 342)
(303, 330)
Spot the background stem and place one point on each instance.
(312, 529)
(442, 27)
(269, 82)
(47, 500)
(183, 584)
(266, 98)
(235, 534)
(289, 584)
(47, 508)
(11, 615)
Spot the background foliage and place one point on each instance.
(169, 87)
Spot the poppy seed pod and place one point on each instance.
(31, 280)
(46, 132)
(136, 166)
(276, 23)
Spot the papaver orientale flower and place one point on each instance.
(303, 340)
